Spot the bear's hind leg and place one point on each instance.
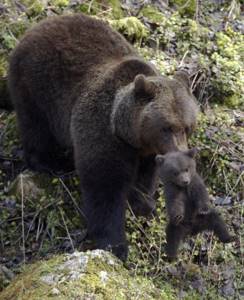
(213, 222)
(174, 235)
(42, 153)
(141, 196)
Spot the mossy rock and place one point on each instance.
(94, 275)
(29, 184)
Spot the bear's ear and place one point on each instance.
(192, 152)
(183, 77)
(159, 159)
(143, 87)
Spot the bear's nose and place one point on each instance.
(185, 182)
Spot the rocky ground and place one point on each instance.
(41, 215)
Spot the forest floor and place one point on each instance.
(41, 215)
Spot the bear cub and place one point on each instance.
(187, 201)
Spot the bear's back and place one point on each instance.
(71, 44)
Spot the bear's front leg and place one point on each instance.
(105, 212)
(104, 186)
(141, 196)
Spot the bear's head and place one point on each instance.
(177, 167)
(155, 114)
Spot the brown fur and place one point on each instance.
(187, 201)
(78, 87)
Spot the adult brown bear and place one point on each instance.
(80, 89)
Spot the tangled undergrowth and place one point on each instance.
(41, 215)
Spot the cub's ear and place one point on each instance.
(159, 159)
(183, 77)
(143, 87)
(192, 152)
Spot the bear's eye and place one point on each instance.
(186, 170)
(188, 131)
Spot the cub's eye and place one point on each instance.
(186, 170)
(167, 130)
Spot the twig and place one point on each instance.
(66, 228)
(37, 214)
(194, 80)
(40, 225)
(184, 5)
(182, 60)
(22, 216)
(72, 198)
(211, 249)
(2, 157)
(212, 160)
(141, 230)
(232, 6)
(90, 6)
(237, 182)
(197, 11)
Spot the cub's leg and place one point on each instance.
(141, 197)
(213, 222)
(104, 188)
(174, 235)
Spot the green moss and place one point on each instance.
(220, 57)
(11, 29)
(152, 14)
(108, 8)
(130, 27)
(59, 3)
(235, 101)
(3, 71)
(117, 12)
(34, 7)
(185, 7)
(91, 8)
(11, 138)
(216, 159)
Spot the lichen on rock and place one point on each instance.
(93, 274)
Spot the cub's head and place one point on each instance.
(177, 167)
(155, 114)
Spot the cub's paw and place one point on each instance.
(203, 210)
(229, 239)
(171, 254)
(177, 219)
(170, 258)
